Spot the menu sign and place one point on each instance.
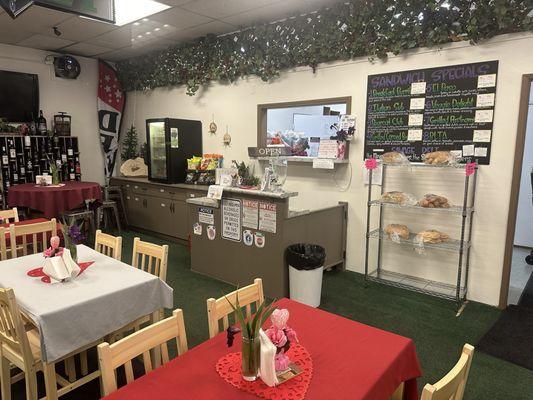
(447, 108)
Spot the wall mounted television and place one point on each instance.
(19, 96)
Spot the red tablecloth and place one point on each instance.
(351, 361)
(51, 201)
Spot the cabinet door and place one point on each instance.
(179, 219)
(135, 206)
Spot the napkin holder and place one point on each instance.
(267, 366)
(43, 180)
(61, 268)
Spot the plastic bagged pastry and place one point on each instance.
(440, 158)
(394, 157)
(434, 201)
(396, 232)
(429, 236)
(400, 198)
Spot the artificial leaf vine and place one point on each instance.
(347, 30)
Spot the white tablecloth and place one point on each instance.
(70, 315)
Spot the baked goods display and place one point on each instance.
(396, 232)
(394, 157)
(396, 197)
(431, 236)
(438, 158)
(434, 201)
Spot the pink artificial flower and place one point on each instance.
(281, 362)
(279, 318)
(54, 242)
(48, 252)
(276, 336)
(291, 334)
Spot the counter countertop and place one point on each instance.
(259, 193)
(174, 185)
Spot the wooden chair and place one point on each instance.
(150, 258)
(38, 235)
(6, 215)
(20, 347)
(452, 386)
(3, 245)
(108, 245)
(112, 356)
(220, 309)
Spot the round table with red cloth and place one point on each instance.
(52, 201)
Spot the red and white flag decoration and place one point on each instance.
(111, 101)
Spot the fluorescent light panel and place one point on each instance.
(127, 11)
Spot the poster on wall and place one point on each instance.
(250, 213)
(267, 217)
(231, 219)
(420, 111)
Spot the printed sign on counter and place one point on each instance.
(250, 213)
(328, 148)
(206, 215)
(231, 219)
(267, 217)
(215, 192)
(323, 163)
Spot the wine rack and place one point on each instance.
(25, 157)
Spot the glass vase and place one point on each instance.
(55, 177)
(250, 358)
(73, 252)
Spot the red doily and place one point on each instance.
(229, 368)
(38, 272)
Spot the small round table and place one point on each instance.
(50, 200)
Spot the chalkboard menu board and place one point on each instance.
(447, 108)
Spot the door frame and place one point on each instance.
(527, 79)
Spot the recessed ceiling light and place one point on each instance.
(139, 36)
(148, 33)
(157, 29)
(126, 12)
(136, 24)
(165, 26)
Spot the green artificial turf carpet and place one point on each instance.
(438, 334)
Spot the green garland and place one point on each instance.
(345, 31)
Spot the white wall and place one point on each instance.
(524, 217)
(236, 106)
(76, 97)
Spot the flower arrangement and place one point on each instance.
(249, 329)
(281, 335)
(73, 236)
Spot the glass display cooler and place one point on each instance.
(170, 142)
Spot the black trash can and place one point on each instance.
(306, 267)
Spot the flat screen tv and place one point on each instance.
(19, 96)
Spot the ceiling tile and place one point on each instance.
(223, 8)
(12, 36)
(117, 55)
(85, 49)
(80, 29)
(269, 13)
(115, 39)
(215, 28)
(36, 19)
(44, 42)
(174, 2)
(179, 18)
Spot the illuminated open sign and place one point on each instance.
(269, 151)
(103, 10)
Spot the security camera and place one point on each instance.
(56, 30)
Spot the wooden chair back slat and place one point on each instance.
(21, 233)
(220, 309)
(452, 385)
(150, 258)
(110, 357)
(108, 245)
(7, 215)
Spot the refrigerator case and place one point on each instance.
(170, 142)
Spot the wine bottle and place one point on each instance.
(41, 124)
(33, 128)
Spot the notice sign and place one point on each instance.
(231, 219)
(206, 216)
(448, 108)
(267, 217)
(250, 214)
